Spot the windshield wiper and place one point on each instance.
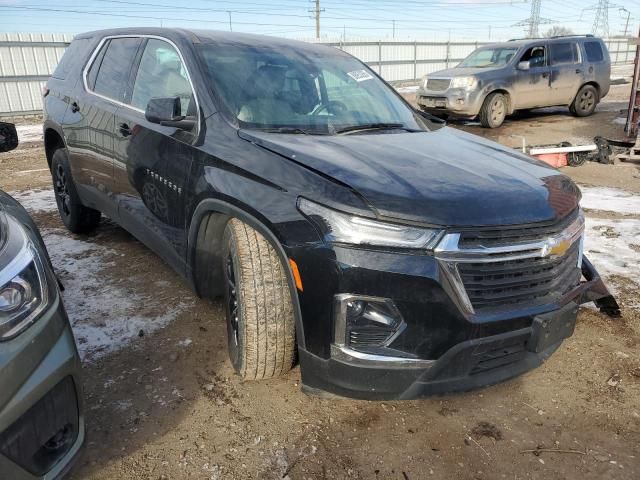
(292, 130)
(374, 126)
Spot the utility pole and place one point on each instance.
(534, 21)
(626, 25)
(230, 25)
(601, 21)
(316, 11)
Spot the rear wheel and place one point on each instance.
(585, 102)
(494, 110)
(75, 216)
(259, 307)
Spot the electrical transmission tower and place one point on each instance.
(534, 20)
(601, 22)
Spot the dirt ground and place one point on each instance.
(162, 402)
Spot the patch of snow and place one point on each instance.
(608, 246)
(29, 133)
(620, 121)
(36, 200)
(610, 200)
(104, 315)
(185, 343)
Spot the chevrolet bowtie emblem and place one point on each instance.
(556, 247)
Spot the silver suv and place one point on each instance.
(496, 80)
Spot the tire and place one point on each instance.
(585, 102)
(494, 110)
(259, 307)
(75, 216)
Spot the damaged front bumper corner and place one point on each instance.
(594, 290)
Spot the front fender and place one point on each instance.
(205, 244)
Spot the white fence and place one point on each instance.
(26, 61)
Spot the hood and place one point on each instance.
(462, 72)
(443, 177)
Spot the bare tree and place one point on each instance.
(558, 31)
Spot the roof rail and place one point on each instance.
(588, 35)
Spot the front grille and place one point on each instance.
(534, 280)
(515, 235)
(43, 435)
(438, 84)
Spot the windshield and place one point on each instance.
(489, 57)
(297, 90)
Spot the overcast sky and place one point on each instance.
(370, 19)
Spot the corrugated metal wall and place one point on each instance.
(27, 59)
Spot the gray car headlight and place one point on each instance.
(341, 227)
(23, 284)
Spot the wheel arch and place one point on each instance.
(204, 266)
(506, 93)
(53, 139)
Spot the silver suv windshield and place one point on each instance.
(303, 91)
(489, 57)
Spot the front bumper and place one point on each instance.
(468, 352)
(455, 101)
(41, 413)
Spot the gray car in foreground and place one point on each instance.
(497, 80)
(41, 420)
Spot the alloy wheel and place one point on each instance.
(497, 110)
(587, 100)
(232, 296)
(62, 190)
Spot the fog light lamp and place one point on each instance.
(362, 323)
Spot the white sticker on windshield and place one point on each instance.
(360, 75)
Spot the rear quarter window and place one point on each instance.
(73, 54)
(564, 52)
(594, 51)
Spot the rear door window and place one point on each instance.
(162, 74)
(594, 51)
(563, 53)
(115, 67)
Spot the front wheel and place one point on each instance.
(494, 110)
(585, 102)
(259, 307)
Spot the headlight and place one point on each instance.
(463, 82)
(339, 227)
(23, 284)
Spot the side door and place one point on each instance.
(567, 71)
(531, 87)
(153, 162)
(90, 120)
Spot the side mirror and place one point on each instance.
(166, 111)
(526, 65)
(8, 137)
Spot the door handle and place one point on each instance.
(124, 130)
(75, 107)
(578, 71)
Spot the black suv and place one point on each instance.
(395, 256)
